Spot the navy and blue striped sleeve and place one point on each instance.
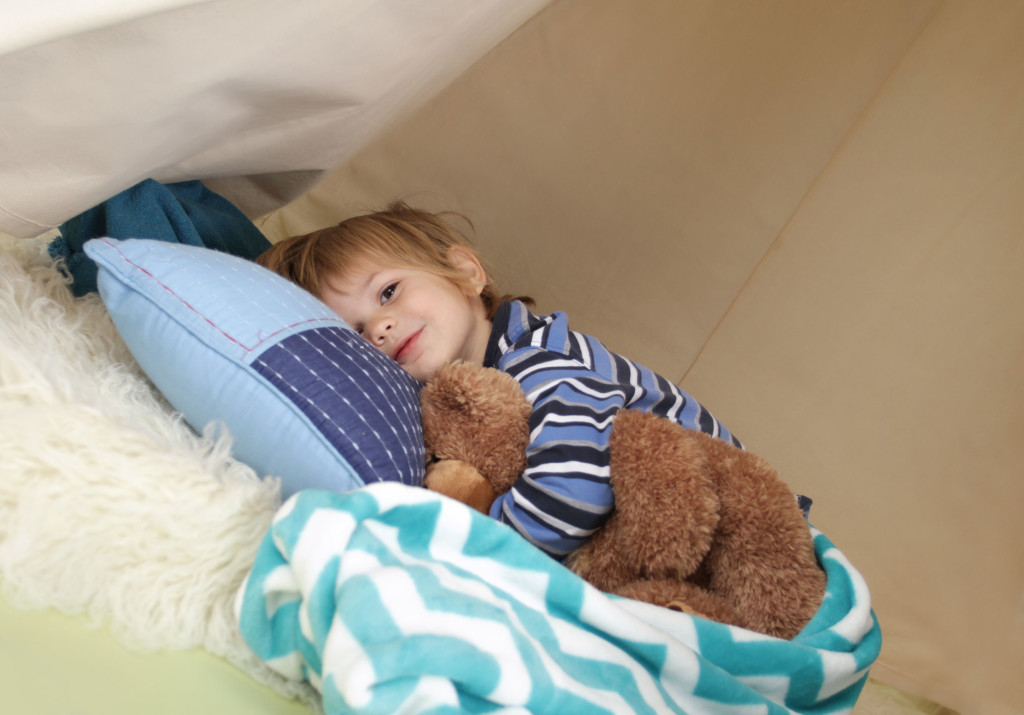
(576, 386)
(564, 495)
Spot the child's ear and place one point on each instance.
(469, 266)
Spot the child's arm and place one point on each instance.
(564, 495)
(576, 386)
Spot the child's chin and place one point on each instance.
(420, 375)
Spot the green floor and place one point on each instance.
(881, 699)
(54, 664)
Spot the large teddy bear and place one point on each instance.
(699, 525)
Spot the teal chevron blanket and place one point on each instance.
(393, 599)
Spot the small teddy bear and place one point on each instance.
(699, 525)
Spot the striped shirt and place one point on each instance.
(576, 386)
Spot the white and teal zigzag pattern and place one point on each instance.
(393, 599)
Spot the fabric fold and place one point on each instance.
(185, 212)
(392, 598)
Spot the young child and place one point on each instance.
(412, 285)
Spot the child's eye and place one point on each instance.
(388, 293)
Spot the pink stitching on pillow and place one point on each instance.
(202, 315)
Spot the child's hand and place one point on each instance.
(461, 481)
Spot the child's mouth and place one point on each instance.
(405, 346)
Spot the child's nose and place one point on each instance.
(379, 328)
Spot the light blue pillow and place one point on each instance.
(226, 340)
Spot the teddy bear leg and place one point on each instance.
(763, 559)
(682, 596)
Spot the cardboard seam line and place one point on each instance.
(815, 182)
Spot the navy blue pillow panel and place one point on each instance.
(355, 396)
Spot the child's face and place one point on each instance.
(419, 319)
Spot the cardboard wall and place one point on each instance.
(809, 214)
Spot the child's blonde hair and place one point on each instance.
(400, 235)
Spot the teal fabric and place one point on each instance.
(186, 212)
(393, 597)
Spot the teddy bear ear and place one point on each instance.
(479, 416)
(475, 392)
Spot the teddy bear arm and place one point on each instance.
(666, 504)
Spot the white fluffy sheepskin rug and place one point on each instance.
(110, 506)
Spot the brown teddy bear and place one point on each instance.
(699, 525)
